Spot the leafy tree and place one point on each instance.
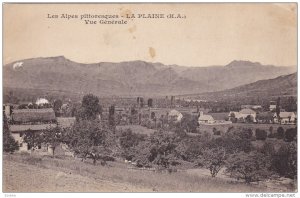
(89, 139)
(278, 109)
(249, 119)
(260, 134)
(285, 160)
(56, 106)
(32, 139)
(128, 141)
(188, 124)
(280, 133)
(250, 167)
(9, 143)
(290, 134)
(53, 137)
(150, 102)
(213, 159)
(90, 107)
(235, 140)
(111, 117)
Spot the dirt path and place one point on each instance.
(18, 177)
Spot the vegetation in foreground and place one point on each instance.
(90, 138)
(118, 172)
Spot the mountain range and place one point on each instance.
(134, 78)
(285, 85)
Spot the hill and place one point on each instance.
(132, 78)
(285, 85)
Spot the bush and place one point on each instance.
(285, 160)
(250, 167)
(217, 132)
(260, 134)
(271, 135)
(290, 134)
(280, 133)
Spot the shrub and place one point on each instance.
(250, 167)
(280, 133)
(260, 134)
(213, 160)
(290, 134)
(285, 160)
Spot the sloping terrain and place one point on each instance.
(132, 78)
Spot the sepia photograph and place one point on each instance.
(149, 97)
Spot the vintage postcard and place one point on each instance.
(150, 97)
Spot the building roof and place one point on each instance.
(24, 127)
(41, 101)
(65, 122)
(205, 117)
(247, 111)
(33, 115)
(174, 113)
(285, 114)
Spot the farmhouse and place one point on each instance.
(285, 118)
(255, 107)
(205, 119)
(34, 120)
(175, 115)
(242, 115)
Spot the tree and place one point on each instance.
(150, 102)
(111, 117)
(278, 109)
(128, 141)
(250, 167)
(56, 106)
(249, 119)
(90, 107)
(285, 160)
(213, 159)
(280, 133)
(260, 134)
(53, 137)
(9, 143)
(290, 134)
(188, 124)
(90, 139)
(32, 139)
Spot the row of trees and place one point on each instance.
(91, 138)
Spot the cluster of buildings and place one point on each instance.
(252, 113)
(22, 121)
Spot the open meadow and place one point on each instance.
(32, 173)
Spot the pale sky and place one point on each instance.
(211, 34)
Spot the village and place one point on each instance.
(42, 114)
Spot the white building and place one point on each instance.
(285, 118)
(242, 114)
(175, 115)
(205, 119)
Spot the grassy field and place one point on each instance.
(137, 129)
(224, 128)
(31, 173)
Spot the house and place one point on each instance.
(175, 115)
(65, 122)
(242, 115)
(256, 107)
(205, 119)
(272, 107)
(285, 118)
(34, 120)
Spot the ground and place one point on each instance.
(19, 177)
(33, 173)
